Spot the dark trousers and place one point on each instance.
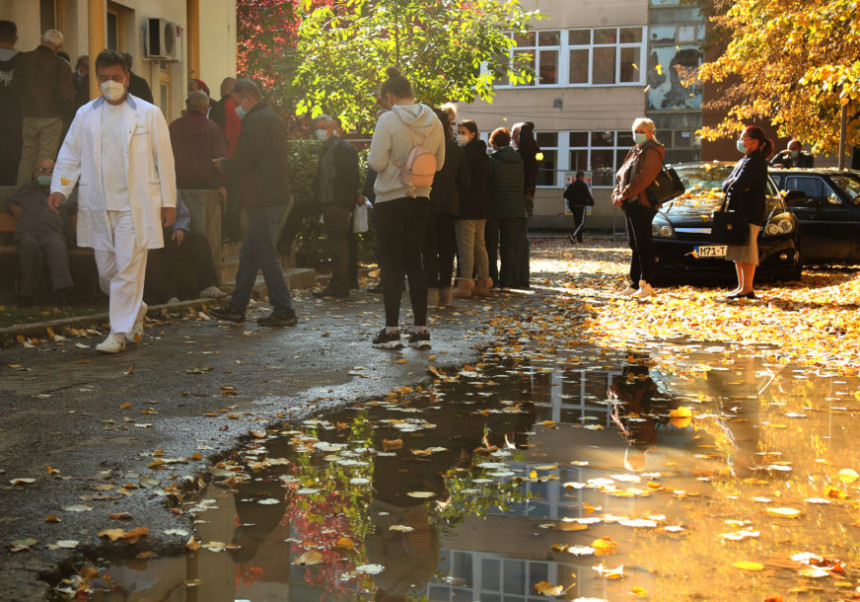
(35, 250)
(338, 227)
(638, 218)
(578, 222)
(400, 227)
(179, 271)
(522, 270)
(259, 254)
(499, 236)
(440, 246)
(299, 211)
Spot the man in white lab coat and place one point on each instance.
(119, 147)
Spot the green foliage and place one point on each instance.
(440, 46)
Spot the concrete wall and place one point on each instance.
(582, 108)
(217, 40)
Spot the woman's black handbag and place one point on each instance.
(666, 186)
(729, 227)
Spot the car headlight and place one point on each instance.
(662, 229)
(778, 225)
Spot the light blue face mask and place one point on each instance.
(640, 139)
(43, 181)
(241, 112)
(741, 147)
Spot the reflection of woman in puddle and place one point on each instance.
(634, 414)
(735, 394)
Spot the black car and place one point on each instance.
(682, 230)
(826, 202)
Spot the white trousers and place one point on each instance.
(121, 273)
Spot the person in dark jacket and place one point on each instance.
(218, 112)
(137, 86)
(43, 83)
(578, 197)
(472, 220)
(10, 112)
(523, 137)
(793, 156)
(505, 184)
(260, 165)
(183, 268)
(196, 141)
(640, 168)
(40, 236)
(336, 192)
(81, 80)
(746, 191)
(440, 245)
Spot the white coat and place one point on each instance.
(148, 163)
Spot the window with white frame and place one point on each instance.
(609, 56)
(605, 56)
(601, 152)
(540, 51)
(548, 143)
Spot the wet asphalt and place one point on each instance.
(134, 432)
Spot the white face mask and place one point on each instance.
(321, 135)
(463, 139)
(113, 91)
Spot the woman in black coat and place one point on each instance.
(474, 211)
(746, 190)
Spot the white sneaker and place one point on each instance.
(173, 301)
(114, 343)
(212, 292)
(645, 290)
(136, 333)
(628, 291)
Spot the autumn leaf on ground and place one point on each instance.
(616, 573)
(548, 589)
(20, 545)
(309, 558)
(344, 543)
(783, 512)
(748, 565)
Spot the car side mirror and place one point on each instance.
(796, 198)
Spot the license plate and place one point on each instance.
(711, 251)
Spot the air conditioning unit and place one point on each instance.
(163, 40)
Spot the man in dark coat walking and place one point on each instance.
(260, 166)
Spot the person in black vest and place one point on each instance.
(578, 197)
(10, 113)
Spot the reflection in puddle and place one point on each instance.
(597, 476)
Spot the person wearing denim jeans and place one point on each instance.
(260, 166)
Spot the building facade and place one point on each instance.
(170, 40)
(600, 64)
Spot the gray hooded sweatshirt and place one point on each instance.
(392, 142)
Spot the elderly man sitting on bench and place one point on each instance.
(40, 236)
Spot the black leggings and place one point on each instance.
(400, 225)
(639, 218)
(440, 246)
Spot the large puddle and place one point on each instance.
(711, 477)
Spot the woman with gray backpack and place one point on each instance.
(407, 150)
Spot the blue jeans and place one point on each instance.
(258, 252)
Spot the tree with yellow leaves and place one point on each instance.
(793, 62)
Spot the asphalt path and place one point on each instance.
(130, 433)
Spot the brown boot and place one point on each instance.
(464, 288)
(482, 288)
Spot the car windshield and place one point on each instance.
(850, 185)
(703, 186)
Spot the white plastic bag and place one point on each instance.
(359, 219)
